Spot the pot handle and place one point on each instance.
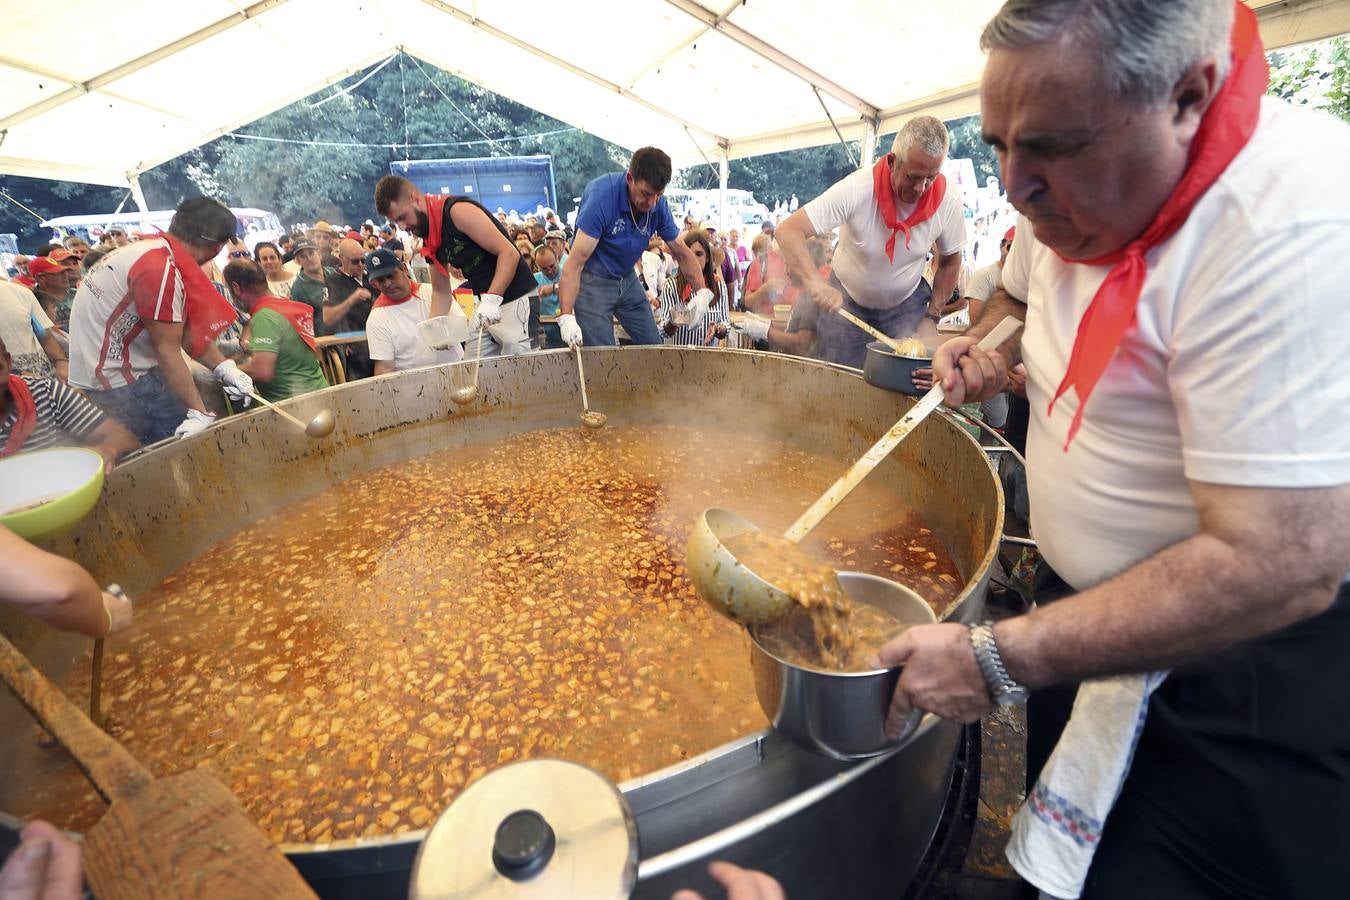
(1006, 448)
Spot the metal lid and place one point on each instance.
(543, 828)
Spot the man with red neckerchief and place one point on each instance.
(1181, 273)
(136, 312)
(391, 330)
(283, 355)
(888, 218)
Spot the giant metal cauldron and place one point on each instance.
(826, 829)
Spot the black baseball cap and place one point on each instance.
(381, 262)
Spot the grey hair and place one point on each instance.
(1145, 46)
(928, 133)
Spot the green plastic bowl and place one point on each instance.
(63, 482)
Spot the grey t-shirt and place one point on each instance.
(983, 283)
(805, 314)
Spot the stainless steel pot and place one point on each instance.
(839, 714)
(827, 829)
(884, 368)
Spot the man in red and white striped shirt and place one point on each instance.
(139, 309)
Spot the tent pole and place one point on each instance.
(139, 196)
(869, 145)
(723, 173)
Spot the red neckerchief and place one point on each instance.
(1226, 128)
(25, 280)
(385, 300)
(432, 241)
(205, 312)
(27, 416)
(300, 315)
(885, 196)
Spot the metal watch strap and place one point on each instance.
(1001, 686)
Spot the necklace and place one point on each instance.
(645, 222)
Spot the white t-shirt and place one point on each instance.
(109, 343)
(860, 260)
(281, 289)
(391, 333)
(19, 309)
(1229, 375)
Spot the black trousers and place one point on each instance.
(1240, 786)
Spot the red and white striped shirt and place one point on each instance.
(109, 343)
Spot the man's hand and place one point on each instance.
(45, 866)
(939, 675)
(238, 386)
(1017, 380)
(755, 329)
(196, 421)
(740, 884)
(967, 373)
(487, 312)
(119, 608)
(569, 330)
(825, 295)
(922, 379)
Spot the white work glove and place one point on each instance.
(698, 305)
(196, 421)
(487, 312)
(755, 329)
(569, 330)
(238, 386)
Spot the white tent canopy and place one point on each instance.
(98, 94)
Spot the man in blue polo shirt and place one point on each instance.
(619, 213)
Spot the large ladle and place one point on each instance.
(874, 332)
(463, 396)
(181, 836)
(588, 418)
(320, 426)
(735, 591)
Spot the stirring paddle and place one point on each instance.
(181, 836)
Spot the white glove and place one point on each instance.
(487, 312)
(569, 330)
(755, 329)
(698, 305)
(238, 386)
(196, 421)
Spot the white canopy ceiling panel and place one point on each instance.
(88, 91)
(20, 89)
(81, 39)
(96, 129)
(693, 84)
(616, 41)
(885, 52)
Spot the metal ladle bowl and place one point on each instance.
(463, 396)
(725, 583)
(322, 425)
(593, 419)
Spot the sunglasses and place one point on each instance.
(235, 254)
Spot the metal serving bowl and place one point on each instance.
(839, 714)
(884, 368)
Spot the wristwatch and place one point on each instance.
(928, 314)
(1002, 688)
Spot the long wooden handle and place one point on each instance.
(882, 448)
(278, 410)
(114, 772)
(874, 332)
(581, 374)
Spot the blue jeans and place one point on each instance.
(600, 299)
(840, 341)
(146, 407)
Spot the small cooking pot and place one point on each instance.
(841, 715)
(887, 369)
